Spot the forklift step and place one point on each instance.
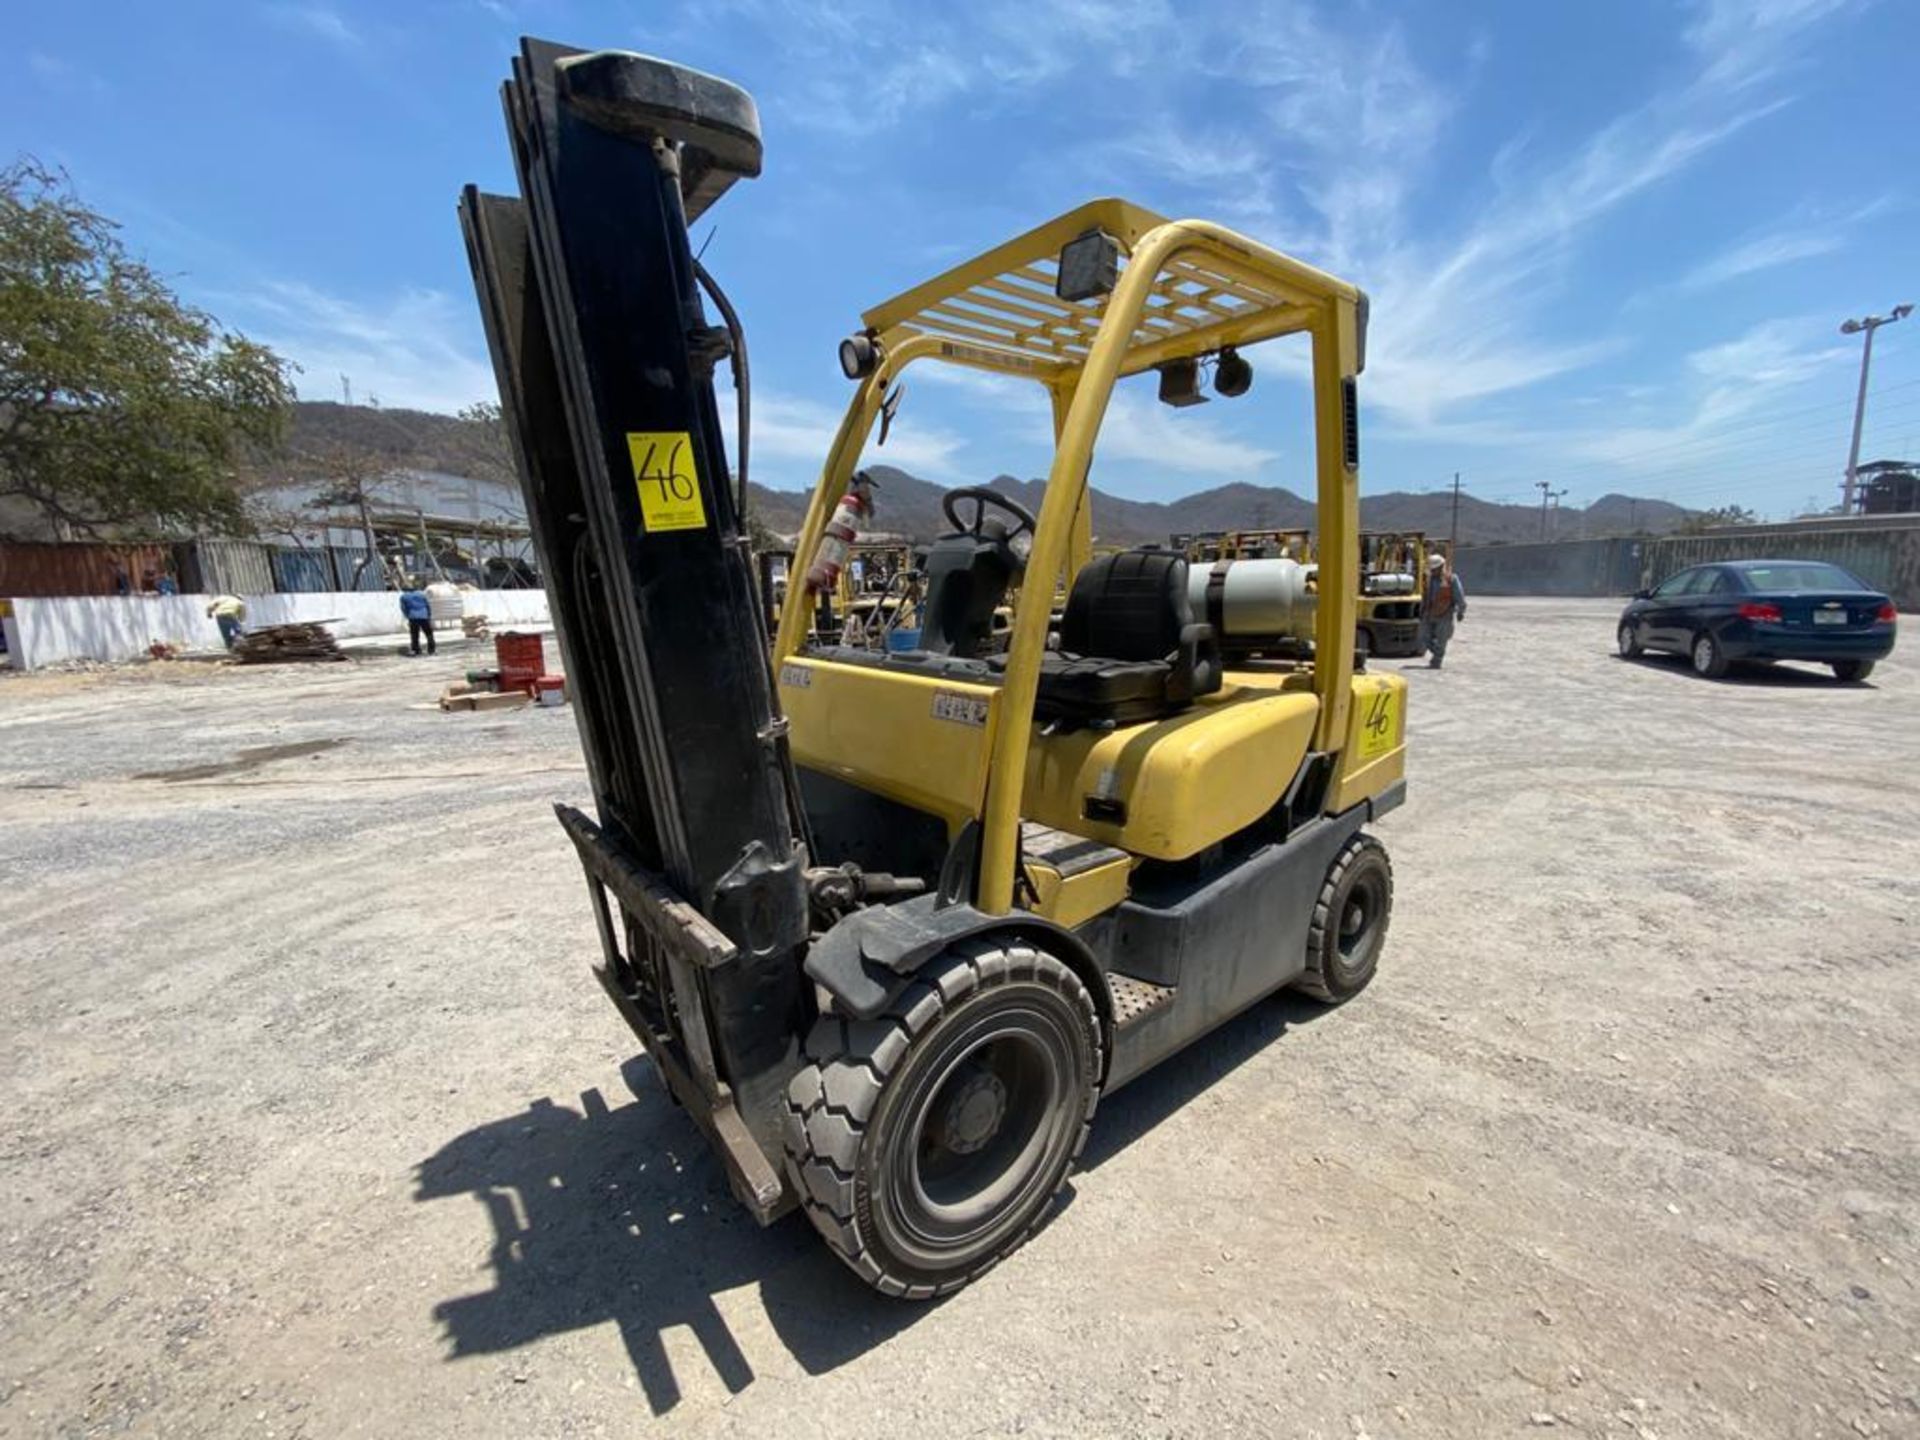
(1134, 1000)
(1058, 850)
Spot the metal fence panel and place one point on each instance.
(1564, 567)
(301, 571)
(1886, 556)
(348, 571)
(225, 567)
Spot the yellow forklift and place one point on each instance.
(1206, 547)
(1393, 568)
(891, 923)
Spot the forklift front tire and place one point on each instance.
(929, 1142)
(1349, 922)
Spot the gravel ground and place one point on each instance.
(315, 1124)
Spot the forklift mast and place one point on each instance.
(605, 359)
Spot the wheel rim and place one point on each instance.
(1626, 639)
(1360, 911)
(984, 1128)
(1703, 654)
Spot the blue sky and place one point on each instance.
(1609, 245)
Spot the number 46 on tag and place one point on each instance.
(668, 479)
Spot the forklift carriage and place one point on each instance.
(890, 922)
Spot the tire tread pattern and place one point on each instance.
(1324, 931)
(832, 1098)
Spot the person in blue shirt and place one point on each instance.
(413, 605)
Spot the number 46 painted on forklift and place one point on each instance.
(668, 479)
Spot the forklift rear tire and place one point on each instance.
(929, 1142)
(1349, 922)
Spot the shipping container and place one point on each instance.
(33, 570)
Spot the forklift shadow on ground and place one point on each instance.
(621, 1215)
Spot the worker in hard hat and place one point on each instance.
(1444, 602)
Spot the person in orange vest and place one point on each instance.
(1445, 602)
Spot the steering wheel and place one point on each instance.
(985, 499)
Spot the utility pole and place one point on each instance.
(1854, 327)
(1554, 497)
(1453, 530)
(1545, 487)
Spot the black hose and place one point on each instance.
(743, 399)
(742, 382)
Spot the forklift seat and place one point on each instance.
(1130, 649)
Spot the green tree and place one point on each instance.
(121, 406)
(1713, 519)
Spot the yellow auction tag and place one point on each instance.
(668, 480)
(1379, 722)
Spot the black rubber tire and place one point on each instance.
(1629, 642)
(1713, 663)
(1340, 965)
(860, 1113)
(1852, 672)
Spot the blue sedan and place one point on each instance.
(1761, 610)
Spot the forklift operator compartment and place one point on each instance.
(891, 920)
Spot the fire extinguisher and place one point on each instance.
(837, 540)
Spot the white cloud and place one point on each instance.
(418, 350)
(1803, 238)
(791, 437)
(317, 20)
(858, 66)
(1726, 398)
(1180, 442)
(65, 77)
(1762, 252)
(1741, 42)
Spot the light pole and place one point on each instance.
(1854, 327)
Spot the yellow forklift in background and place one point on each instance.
(1393, 567)
(1207, 547)
(891, 923)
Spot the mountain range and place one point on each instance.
(907, 505)
(457, 446)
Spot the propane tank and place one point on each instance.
(837, 540)
(1249, 601)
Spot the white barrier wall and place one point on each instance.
(123, 627)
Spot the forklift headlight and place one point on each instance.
(1088, 267)
(858, 356)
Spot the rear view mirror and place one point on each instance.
(1643, 594)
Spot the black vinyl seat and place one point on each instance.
(1130, 649)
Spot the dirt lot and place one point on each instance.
(315, 1124)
